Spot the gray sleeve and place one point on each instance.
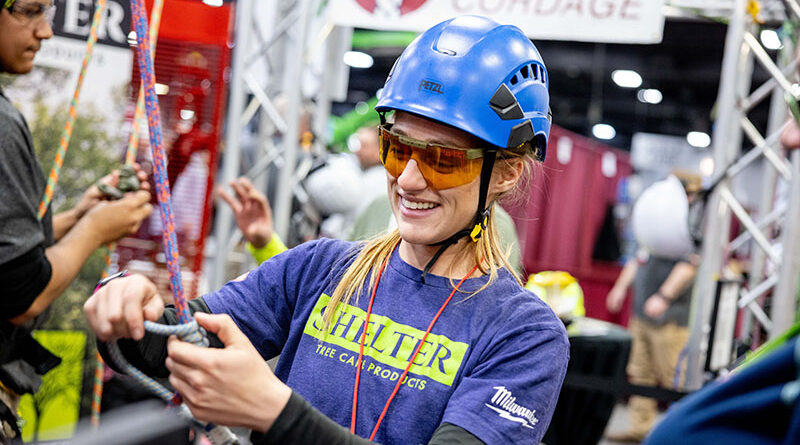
(22, 185)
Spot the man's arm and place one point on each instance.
(679, 278)
(616, 296)
(63, 222)
(106, 222)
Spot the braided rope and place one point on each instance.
(191, 332)
(147, 73)
(188, 329)
(130, 158)
(73, 112)
(133, 139)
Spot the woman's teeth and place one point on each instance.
(417, 205)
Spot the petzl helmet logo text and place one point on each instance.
(430, 86)
(503, 403)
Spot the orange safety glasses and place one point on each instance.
(442, 166)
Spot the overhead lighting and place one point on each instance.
(214, 3)
(357, 59)
(698, 139)
(649, 96)
(626, 78)
(161, 89)
(604, 131)
(187, 114)
(707, 166)
(770, 39)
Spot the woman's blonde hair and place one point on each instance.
(487, 252)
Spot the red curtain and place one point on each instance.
(561, 218)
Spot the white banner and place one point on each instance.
(612, 21)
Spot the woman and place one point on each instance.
(470, 115)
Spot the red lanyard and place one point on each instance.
(410, 361)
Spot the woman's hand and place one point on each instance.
(232, 386)
(118, 309)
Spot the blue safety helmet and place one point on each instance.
(483, 78)
(476, 75)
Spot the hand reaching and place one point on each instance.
(251, 210)
(118, 309)
(232, 386)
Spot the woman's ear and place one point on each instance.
(506, 174)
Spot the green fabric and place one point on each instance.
(273, 247)
(374, 220)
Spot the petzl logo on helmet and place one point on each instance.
(430, 86)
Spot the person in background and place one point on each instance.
(422, 336)
(661, 274)
(39, 258)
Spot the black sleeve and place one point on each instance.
(301, 424)
(148, 354)
(23, 278)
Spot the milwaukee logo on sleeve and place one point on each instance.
(503, 403)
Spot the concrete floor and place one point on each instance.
(618, 422)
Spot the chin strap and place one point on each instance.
(481, 215)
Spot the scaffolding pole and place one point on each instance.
(275, 50)
(768, 251)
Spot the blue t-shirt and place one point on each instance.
(493, 363)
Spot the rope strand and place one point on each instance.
(73, 112)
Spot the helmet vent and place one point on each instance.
(505, 104)
(514, 80)
(524, 72)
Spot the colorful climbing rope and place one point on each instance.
(133, 139)
(169, 238)
(73, 112)
(130, 158)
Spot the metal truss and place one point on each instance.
(770, 231)
(275, 50)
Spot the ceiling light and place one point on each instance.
(698, 139)
(187, 114)
(649, 96)
(604, 131)
(626, 78)
(707, 166)
(357, 59)
(214, 3)
(161, 89)
(770, 39)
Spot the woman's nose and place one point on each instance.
(411, 178)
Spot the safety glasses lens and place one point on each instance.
(442, 167)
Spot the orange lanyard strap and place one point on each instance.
(410, 361)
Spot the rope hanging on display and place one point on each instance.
(133, 139)
(73, 106)
(187, 330)
(169, 238)
(130, 158)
